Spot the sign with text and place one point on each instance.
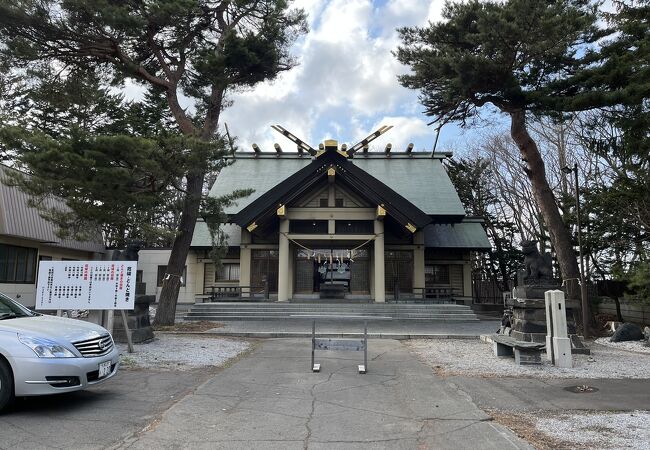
(86, 285)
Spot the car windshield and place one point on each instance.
(10, 309)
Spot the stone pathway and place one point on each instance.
(271, 399)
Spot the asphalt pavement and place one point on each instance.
(95, 418)
(533, 394)
(270, 399)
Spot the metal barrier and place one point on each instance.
(238, 293)
(354, 345)
(424, 294)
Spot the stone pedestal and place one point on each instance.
(137, 320)
(529, 312)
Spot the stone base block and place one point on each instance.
(501, 350)
(142, 335)
(138, 335)
(529, 318)
(527, 357)
(535, 291)
(562, 352)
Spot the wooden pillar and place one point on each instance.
(292, 269)
(199, 278)
(283, 261)
(467, 277)
(418, 262)
(245, 258)
(379, 278)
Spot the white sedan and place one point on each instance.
(41, 355)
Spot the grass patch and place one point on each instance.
(523, 425)
(126, 362)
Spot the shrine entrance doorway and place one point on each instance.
(332, 272)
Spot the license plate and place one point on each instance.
(104, 369)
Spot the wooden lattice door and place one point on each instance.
(399, 270)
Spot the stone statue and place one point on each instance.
(131, 252)
(528, 299)
(537, 266)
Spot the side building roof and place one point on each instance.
(466, 235)
(18, 219)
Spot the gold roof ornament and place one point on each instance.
(321, 150)
(411, 227)
(281, 211)
(251, 227)
(381, 212)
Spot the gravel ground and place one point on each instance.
(632, 346)
(600, 430)
(475, 358)
(579, 430)
(169, 352)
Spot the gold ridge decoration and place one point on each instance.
(381, 212)
(331, 171)
(411, 227)
(281, 211)
(251, 227)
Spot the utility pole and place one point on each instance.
(583, 287)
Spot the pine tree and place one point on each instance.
(197, 49)
(524, 57)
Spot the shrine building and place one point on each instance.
(334, 223)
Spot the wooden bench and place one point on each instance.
(525, 353)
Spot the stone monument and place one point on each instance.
(137, 319)
(528, 304)
(558, 343)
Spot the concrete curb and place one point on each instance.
(268, 334)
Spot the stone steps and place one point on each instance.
(276, 311)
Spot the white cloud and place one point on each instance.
(405, 130)
(346, 80)
(435, 11)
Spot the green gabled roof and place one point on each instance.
(260, 174)
(201, 236)
(377, 192)
(421, 180)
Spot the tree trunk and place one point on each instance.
(619, 314)
(166, 311)
(546, 203)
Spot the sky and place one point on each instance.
(345, 84)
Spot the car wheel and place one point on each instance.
(6, 385)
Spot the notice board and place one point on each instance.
(86, 285)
